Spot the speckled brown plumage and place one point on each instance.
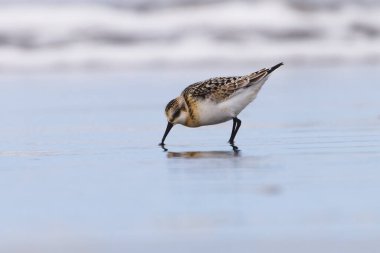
(219, 89)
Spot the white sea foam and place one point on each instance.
(88, 35)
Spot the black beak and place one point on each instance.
(168, 128)
(275, 67)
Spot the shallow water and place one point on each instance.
(80, 169)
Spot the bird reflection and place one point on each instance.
(202, 154)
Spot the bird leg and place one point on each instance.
(235, 129)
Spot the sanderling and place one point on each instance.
(215, 100)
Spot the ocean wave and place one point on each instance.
(93, 35)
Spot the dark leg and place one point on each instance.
(169, 126)
(233, 130)
(237, 123)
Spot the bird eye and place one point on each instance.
(176, 114)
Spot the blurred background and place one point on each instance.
(83, 87)
(116, 34)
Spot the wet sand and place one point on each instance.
(80, 169)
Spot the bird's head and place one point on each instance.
(176, 111)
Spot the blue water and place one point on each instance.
(80, 169)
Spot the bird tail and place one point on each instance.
(274, 67)
(263, 73)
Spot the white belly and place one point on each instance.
(240, 100)
(212, 113)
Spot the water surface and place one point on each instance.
(80, 169)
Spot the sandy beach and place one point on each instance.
(81, 171)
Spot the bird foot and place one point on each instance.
(162, 145)
(232, 143)
(235, 148)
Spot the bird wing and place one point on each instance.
(219, 89)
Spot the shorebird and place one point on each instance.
(215, 100)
